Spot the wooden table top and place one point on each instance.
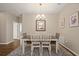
(39, 39)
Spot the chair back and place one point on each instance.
(57, 35)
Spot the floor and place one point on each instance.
(14, 49)
(6, 49)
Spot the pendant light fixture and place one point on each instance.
(40, 16)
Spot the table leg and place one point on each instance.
(41, 50)
(56, 47)
(50, 50)
(23, 47)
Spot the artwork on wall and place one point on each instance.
(74, 20)
(40, 25)
(62, 24)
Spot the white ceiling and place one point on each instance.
(32, 8)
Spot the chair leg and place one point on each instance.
(56, 47)
(23, 48)
(41, 51)
(32, 51)
(50, 51)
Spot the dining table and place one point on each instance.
(25, 40)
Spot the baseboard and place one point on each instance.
(71, 51)
(7, 42)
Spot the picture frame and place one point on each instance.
(62, 24)
(74, 20)
(40, 25)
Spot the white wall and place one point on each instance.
(2, 28)
(29, 24)
(6, 27)
(71, 34)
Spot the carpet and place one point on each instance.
(18, 52)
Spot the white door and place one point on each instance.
(15, 30)
(19, 30)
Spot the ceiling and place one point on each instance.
(31, 8)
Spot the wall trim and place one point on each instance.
(8, 42)
(74, 53)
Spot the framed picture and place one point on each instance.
(62, 23)
(74, 20)
(40, 25)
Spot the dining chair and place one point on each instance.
(34, 44)
(57, 35)
(46, 45)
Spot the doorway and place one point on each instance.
(17, 30)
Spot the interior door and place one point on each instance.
(15, 30)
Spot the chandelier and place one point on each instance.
(40, 16)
